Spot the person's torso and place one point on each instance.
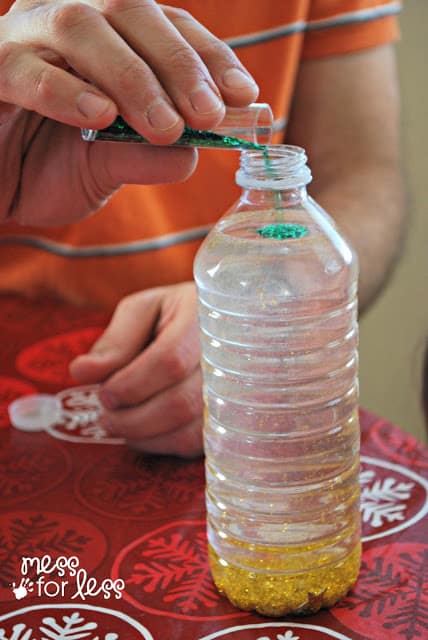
(147, 235)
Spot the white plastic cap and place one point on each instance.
(36, 412)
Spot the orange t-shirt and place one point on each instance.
(147, 236)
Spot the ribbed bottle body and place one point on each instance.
(279, 334)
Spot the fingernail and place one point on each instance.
(106, 424)
(91, 105)
(162, 116)
(237, 79)
(205, 101)
(108, 400)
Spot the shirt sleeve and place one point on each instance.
(343, 26)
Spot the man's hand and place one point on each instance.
(148, 363)
(82, 63)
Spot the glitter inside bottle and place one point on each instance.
(278, 315)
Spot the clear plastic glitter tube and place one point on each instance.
(242, 128)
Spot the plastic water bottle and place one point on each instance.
(277, 291)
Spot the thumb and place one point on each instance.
(129, 331)
(132, 163)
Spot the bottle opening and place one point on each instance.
(274, 167)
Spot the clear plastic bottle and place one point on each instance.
(277, 291)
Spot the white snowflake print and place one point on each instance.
(81, 408)
(68, 628)
(384, 500)
(78, 422)
(68, 622)
(366, 476)
(19, 632)
(288, 635)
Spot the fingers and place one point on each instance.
(149, 359)
(157, 68)
(174, 62)
(171, 357)
(170, 422)
(234, 82)
(130, 328)
(186, 442)
(197, 70)
(138, 164)
(96, 171)
(120, 72)
(34, 84)
(7, 112)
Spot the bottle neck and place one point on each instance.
(278, 168)
(282, 197)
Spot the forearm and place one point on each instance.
(369, 207)
(346, 114)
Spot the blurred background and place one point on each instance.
(394, 332)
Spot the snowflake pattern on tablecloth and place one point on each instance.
(288, 635)
(393, 498)
(391, 594)
(27, 470)
(70, 622)
(80, 410)
(166, 572)
(35, 534)
(384, 500)
(48, 360)
(133, 486)
(49, 318)
(398, 445)
(276, 631)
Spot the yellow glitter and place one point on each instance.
(273, 593)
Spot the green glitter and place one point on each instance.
(120, 131)
(268, 165)
(282, 231)
(277, 198)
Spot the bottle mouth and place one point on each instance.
(274, 167)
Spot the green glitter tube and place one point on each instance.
(244, 128)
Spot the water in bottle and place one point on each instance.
(277, 288)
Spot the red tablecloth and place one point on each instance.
(72, 495)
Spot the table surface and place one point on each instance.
(74, 496)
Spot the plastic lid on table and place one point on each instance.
(35, 412)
